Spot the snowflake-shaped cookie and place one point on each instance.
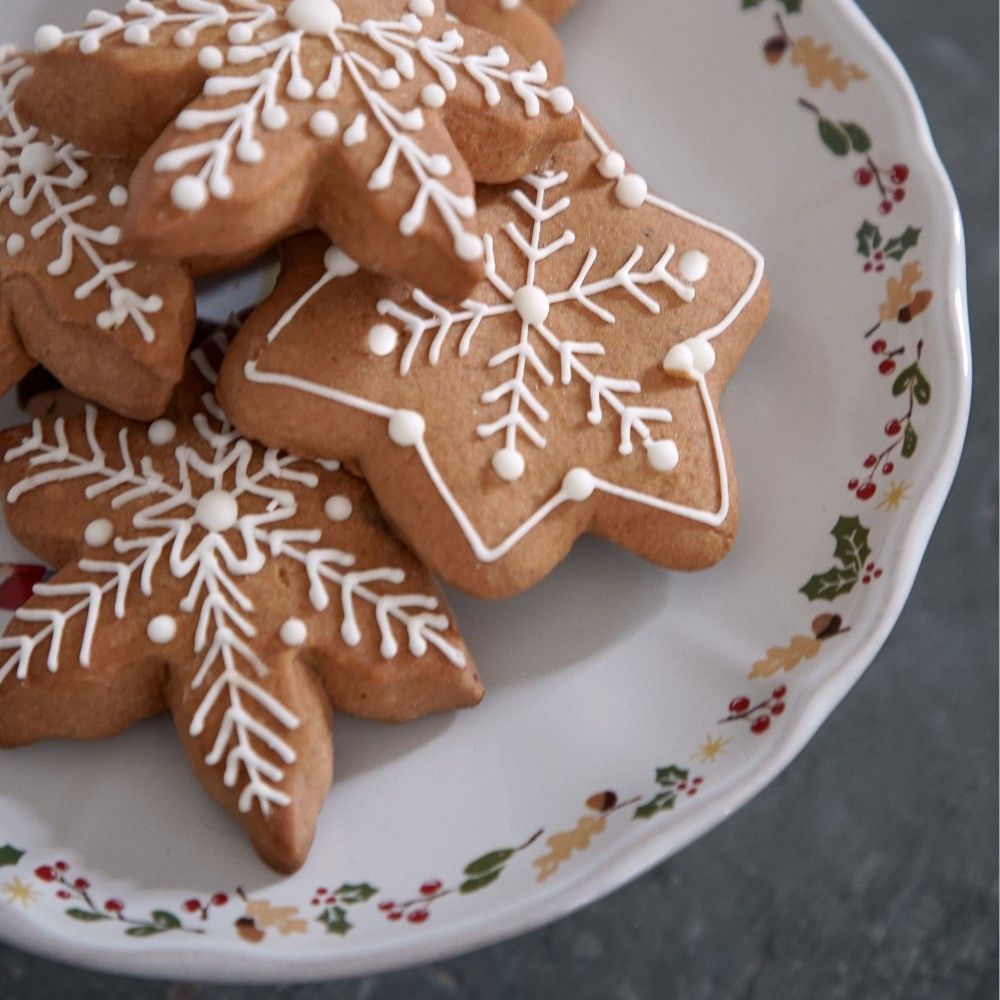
(369, 118)
(575, 390)
(524, 23)
(245, 590)
(111, 329)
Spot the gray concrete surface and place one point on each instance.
(869, 870)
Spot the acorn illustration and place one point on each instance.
(247, 929)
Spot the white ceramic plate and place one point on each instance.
(613, 685)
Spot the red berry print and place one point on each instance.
(871, 461)
(887, 367)
(879, 346)
(867, 491)
(760, 725)
(886, 207)
(192, 905)
(63, 894)
(777, 708)
(45, 873)
(114, 906)
(62, 866)
(431, 887)
(418, 916)
(899, 195)
(900, 174)
(395, 915)
(81, 884)
(893, 428)
(220, 899)
(887, 469)
(386, 905)
(779, 692)
(739, 705)
(853, 485)
(863, 177)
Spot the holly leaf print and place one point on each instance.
(869, 238)
(896, 247)
(9, 855)
(350, 893)
(831, 584)
(852, 542)
(334, 919)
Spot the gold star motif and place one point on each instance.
(711, 748)
(17, 891)
(898, 494)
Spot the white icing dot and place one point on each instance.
(314, 17)
(422, 8)
(15, 244)
(118, 196)
(294, 632)
(47, 38)
(37, 159)
(704, 356)
(579, 485)
(98, 533)
(161, 432)
(406, 428)
(240, 34)
(382, 340)
(274, 118)
(562, 100)
(663, 455)
(136, 34)
(338, 264)
(631, 191)
(510, 4)
(693, 265)
(338, 508)
(189, 194)
(217, 511)
(185, 38)
(508, 464)
(162, 630)
(389, 79)
(433, 96)
(250, 151)
(468, 246)
(299, 89)
(532, 304)
(211, 58)
(611, 165)
(324, 124)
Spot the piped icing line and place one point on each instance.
(208, 536)
(31, 168)
(260, 36)
(692, 360)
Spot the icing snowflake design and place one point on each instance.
(210, 516)
(541, 354)
(49, 172)
(555, 326)
(282, 56)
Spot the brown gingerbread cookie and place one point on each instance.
(575, 391)
(244, 590)
(370, 119)
(524, 23)
(113, 330)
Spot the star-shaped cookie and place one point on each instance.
(109, 328)
(244, 590)
(368, 118)
(524, 23)
(576, 390)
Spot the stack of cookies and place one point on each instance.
(488, 337)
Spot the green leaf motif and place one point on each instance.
(913, 377)
(670, 776)
(86, 916)
(334, 919)
(830, 585)
(860, 140)
(909, 441)
(921, 389)
(165, 920)
(897, 247)
(852, 542)
(144, 931)
(869, 238)
(351, 893)
(9, 855)
(834, 137)
(489, 862)
(657, 804)
(480, 882)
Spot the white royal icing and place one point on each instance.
(370, 57)
(241, 498)
(161, 432)
(98, 533)
(338, 508)
(54, 174)
(542, 353)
